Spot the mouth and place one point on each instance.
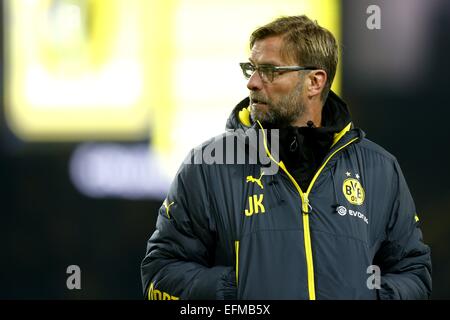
(258, 101)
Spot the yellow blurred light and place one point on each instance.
(117, 69)
(210, 39)
(77, 69)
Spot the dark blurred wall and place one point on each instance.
(396, 83)
(46, 225)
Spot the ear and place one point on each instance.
(317, 81)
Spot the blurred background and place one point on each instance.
(102, 100)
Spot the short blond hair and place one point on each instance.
(305, 41)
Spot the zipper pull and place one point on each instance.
(306, 207)
(293, 145)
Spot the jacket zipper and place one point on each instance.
(305, 210)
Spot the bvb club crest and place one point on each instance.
(353, 191)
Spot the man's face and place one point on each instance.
(281, 102)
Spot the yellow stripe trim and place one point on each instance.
(167, 206)
(309, 257)
(306, 233)
(236, 247)
(305, 204)
(325, 163)
(339, 135)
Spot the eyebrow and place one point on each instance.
(270, 63)
(265, 63)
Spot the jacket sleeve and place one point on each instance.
(179, 262)
(404, 260)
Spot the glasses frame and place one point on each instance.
(267, 71)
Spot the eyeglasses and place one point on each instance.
(267, 72)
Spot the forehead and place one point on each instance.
(268, 51)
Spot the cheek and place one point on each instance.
(288, 85)
(278, 93)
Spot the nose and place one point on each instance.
(255, 82)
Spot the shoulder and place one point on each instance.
(375, 150)
(374, 158)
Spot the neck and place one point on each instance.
(313, 112)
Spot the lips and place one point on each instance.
(258, 101)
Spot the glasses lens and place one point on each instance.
(266, 73)
(247, 70)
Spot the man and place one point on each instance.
(337, 221)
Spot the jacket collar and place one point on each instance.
(336, 118)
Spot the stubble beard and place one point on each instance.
(282, 113)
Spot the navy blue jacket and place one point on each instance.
(229, 231)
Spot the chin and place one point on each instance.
(259, 116)
(260, 113)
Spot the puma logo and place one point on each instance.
(257, 181)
